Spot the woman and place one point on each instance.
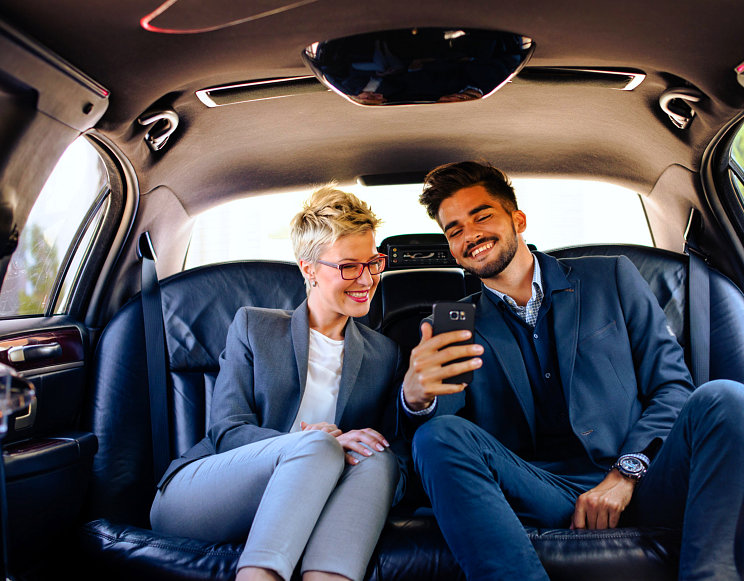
(296, 455)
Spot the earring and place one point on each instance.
(313, 283)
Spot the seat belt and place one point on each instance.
(152, 314)
(698, 302)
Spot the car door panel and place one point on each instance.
(53, 360)
(47, 459)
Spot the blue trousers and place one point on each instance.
(482, 493)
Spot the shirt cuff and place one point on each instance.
(424, 412)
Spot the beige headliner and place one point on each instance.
(526, 128)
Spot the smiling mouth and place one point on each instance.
(480, 248)
(358, 296)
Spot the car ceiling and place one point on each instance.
(530, 127)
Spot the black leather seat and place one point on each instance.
(198, 307)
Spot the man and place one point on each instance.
(581, 410)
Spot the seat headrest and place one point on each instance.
(200, 304)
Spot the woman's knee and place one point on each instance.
(383, 464)
(317, 443)
(377, 474)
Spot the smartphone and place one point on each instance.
(455, 317)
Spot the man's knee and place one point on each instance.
(720, 393)
(441, 437)
(720, 401)
(439, 430)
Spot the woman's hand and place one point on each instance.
(332, 429)
(362, 442)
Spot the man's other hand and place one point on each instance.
(601, 507)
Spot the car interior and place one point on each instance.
(124, 125)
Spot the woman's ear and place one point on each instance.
(308, 270)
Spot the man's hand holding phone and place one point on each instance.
(430, 365)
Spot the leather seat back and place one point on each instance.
(198, 307)
(666, 274)
(406, 297)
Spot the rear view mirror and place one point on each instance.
(419, 65)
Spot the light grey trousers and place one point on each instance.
(286, 494)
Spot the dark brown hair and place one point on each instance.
(445, 180)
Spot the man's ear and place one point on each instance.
(520, 221)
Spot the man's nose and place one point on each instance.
(471, 234)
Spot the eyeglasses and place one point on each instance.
(353, 270)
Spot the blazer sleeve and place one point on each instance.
(664, 383)
(233, 418)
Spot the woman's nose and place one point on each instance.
(365, 277)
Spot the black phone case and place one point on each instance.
(455, 317)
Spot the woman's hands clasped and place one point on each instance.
(362, 442)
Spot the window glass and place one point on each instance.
(738, 185)
(77, 182)
(559, 213)
(736, 170)
(81, 252)
(737, 149)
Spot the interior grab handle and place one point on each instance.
(164, 124)
(676, 103)
(23, 353)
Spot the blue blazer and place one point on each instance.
(263, 371)
(622, 370)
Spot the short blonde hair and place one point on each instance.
(325, 217)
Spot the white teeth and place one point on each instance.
(480, 249)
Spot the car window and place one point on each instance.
(559, 213)
(737, 149)
(57, 235)
(739, 186)
(736, 162)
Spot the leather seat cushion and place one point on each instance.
(410, 549)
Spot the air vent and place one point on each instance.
(595, 78)
(290, 86)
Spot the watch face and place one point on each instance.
(631, 465)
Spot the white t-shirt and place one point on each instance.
(325, 361)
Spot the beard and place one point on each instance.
(499, 262)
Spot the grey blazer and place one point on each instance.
(262, 377)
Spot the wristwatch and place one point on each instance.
(632, 466)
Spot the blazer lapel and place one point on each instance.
(493, 329)
(353, 355)
(300, 327)
(566, 310)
